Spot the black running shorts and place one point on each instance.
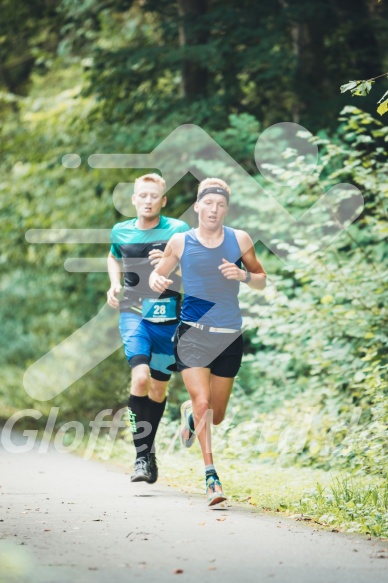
(220, 352)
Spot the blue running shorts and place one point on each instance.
(148, 343)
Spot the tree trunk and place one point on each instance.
(192, 33)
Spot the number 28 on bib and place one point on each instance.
(159, 310)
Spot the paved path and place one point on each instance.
(64, 519)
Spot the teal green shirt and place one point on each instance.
(132, 246)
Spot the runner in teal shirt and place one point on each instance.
(147, 319)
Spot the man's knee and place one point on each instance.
(201, 409)
(218, 418)
(140, 380)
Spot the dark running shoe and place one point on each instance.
(153, 468)
(141, 471)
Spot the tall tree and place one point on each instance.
(192, 34)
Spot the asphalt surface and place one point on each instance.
(64, 519)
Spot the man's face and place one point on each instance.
(148, 200)
(212, 210)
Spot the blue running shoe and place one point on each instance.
(187, 436)
(214, 491)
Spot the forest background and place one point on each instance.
(113, 76)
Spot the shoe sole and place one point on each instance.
(216, 500)
(187, 442)
(140, 479)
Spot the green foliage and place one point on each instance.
(150, 63)
(383, 107)
(315, 379)
(362, 88)
(351, 504)
(28, 38)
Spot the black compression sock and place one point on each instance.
(156, 411)
(139, 415)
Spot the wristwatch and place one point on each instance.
(248, 277)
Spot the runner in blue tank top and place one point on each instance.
(208, 341)
(147, 320)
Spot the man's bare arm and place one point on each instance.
(114, 270)
(250, 261)
(159, 281)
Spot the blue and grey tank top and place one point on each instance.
(210, 298)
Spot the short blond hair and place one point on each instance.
(207, 182)
(155, 178)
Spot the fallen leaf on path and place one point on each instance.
(201, 523)
(221, 519)
(307, 518)
(177, 571)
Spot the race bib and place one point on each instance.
(159, 310)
